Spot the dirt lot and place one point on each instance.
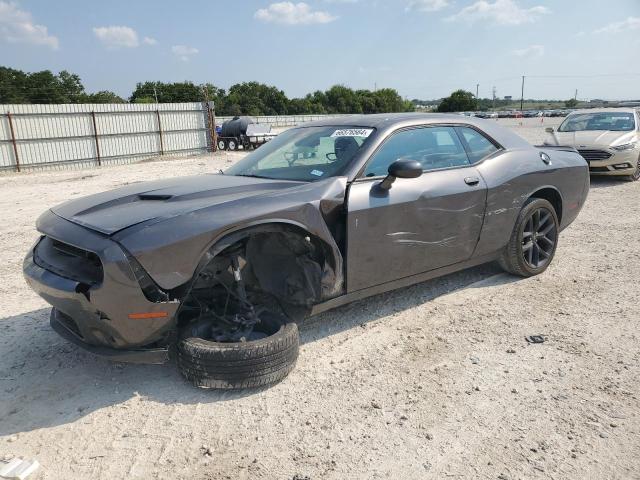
(433, 381)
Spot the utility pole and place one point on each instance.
(155, 94)
(576, 95)
(522, 96)
(494, 97)
(477, 90)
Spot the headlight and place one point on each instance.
(626, 146)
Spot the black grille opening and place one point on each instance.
(68, 261)
(596, 155)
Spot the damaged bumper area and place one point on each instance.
(102, 299)
(66, 327)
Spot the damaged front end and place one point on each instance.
(266, 272)
(98, 300)
(228, 270)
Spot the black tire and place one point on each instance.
(635, 176)
(231, 366)
(222, 144)
(232, 144)
(518, 257)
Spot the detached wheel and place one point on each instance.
(250, 364)
(222, 144)
(233, 145)
(533, 241)
(635, 176)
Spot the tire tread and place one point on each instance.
(239, 365)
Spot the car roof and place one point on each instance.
(387, 122)
(607, 110)
(384, 120)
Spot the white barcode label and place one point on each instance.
(353, 132)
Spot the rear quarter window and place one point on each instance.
(478, 146)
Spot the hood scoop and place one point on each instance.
(154, 196)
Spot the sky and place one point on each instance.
(423, 48)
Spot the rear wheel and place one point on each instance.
(635, 176)
(533, 241)
(233, 145)
(222, 144)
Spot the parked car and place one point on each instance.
(220, 267)
(609, 139)
(486, 115)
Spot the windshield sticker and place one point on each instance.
(353, 132)
(317, 173)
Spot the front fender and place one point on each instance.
(171, 251)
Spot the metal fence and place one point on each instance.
(63, 136)
(36, 136)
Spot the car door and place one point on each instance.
(422, 223)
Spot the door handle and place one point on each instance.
(471, 181)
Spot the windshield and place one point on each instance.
(613, 121)
(306, 154)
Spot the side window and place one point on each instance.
(433, 147)
(479, 146)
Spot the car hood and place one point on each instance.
(591, 138)
(112, 211)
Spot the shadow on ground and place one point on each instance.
(46, 381)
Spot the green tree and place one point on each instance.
(13, 84)
(341, 99)
(459, 101)
(253, 98)
(168, 92)
(300, 106)
(104, 96)
(571, 103)
(144, 100)
(388, 100)
(40, 87)
(71, 87)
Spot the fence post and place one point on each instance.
(211, 124)
(215, 133)
(13, 141)
(95, 136)
(160, 132)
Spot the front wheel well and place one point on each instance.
(279, 263)
(553, 197)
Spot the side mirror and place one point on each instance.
(549, 130)
(401, 169)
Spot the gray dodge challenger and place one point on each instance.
(216, 270)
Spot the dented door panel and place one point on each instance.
(418, 225)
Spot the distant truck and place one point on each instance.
(243, 132)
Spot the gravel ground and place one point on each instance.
(433, 381)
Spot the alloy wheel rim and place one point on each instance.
(539, 238)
